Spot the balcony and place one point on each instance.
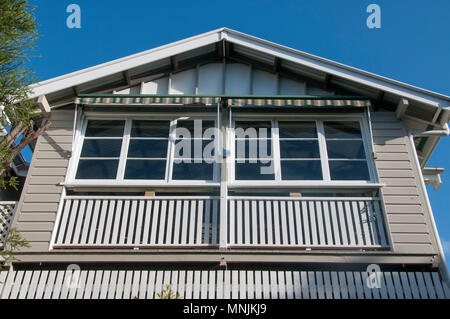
(197, 221)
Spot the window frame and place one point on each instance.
(319, 119)
(129, 117)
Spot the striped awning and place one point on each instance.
(278, 101)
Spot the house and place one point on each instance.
(227, 166)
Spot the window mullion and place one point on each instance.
(124, 150)
(79, 140)
(323, 151)
(276, 150)
(171, 150)
(367, 139)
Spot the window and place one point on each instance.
(100, 154)
(194, 150)
(294, 150)
(253, 149)
(147, 150)
(346, 153)
(299, 151)
(144, 149)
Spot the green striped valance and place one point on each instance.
(140, 100)
(296, 102)
(146, 99)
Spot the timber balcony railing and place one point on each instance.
(249, 222)
(7, 210)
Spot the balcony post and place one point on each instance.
(222, 118)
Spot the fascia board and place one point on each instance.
(122, 64)
(340, 70)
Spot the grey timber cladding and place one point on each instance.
(407, 217)
(41, 194)
(405, 207)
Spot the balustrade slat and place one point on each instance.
(246, 235)
(140, 217)
(207, 220)
(124, 222)
(168, 239)
(284, 228)
(320, 224)
(193, 215)
(93, 226)
(66, 209)
(72, 224)
(358, 221)
(276, 222)
(85, 231)
(215, 223)
(131, 223)
(306, 224)
(231, 225)
(154, 222)
(262, 223)
(269, 222)
(298, 223)
(255, 230)
(101, 225)
(291, 222)
(312, 220)
(177, 229)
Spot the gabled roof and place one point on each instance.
(424, 104)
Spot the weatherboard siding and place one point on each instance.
(408, 219)
(38, 205)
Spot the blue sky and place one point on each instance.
(412, 45)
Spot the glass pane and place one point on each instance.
(193, 171)
(148, 148)
(253, 129)
(299, 149)
(344, 129)
(290, 129)
(97, 169)
(202, 126)
(345, 149)
(150, 128)
(261, 148)
(301, 170)
(254, 171)
(188, 148)
(349, 170)
(101, 148)
(104, 128)
(145, 169)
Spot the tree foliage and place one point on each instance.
(18, 35)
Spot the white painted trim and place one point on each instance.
(137, 183)
(120, 181)
(58, 218)
(311, 184)
(443, 265)
(323, 151)
(319, 119)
